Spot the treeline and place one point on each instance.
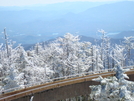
(62, 57)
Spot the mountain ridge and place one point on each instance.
(34, 23)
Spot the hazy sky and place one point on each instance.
(31, 2)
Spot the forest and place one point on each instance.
(63, 57)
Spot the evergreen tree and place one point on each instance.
(115, 88)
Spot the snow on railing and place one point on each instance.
(59, 78)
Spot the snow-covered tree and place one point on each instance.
(65, 56)
(105, 49)
(115, 88)
(119, 55)
(129, 47)
(10, 80)
(98, 63)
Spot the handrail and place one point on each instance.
(54, 84)
(59, 78)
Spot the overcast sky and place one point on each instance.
(32, 2)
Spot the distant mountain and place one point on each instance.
(50, 21)
(111, 17)
(115, 17)
(82, 39)
(75, 7)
